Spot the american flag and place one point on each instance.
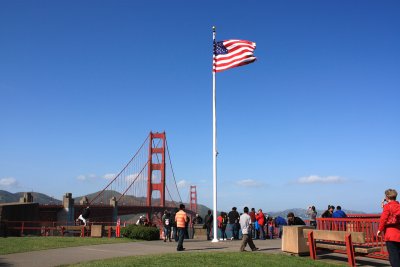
(232, 53)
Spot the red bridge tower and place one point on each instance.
(193, 199)
(155, 153)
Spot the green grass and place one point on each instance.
(209, 259)
(24, 244)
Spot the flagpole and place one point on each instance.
(215, 153)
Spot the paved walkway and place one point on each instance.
(55, 257)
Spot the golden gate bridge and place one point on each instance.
(145, 185)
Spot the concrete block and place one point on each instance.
(293, 240)
(96, 231)
(199, 233)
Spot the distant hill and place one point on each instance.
(6, 197)
(302, 213)
(125, 200)
(131, 200)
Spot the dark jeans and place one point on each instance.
(223, 233)
(280, 231)
(247, 239)
(313, 224)
(253, 232)
(175, 235)
(235, 230)
(208, 227)
(394, 252)
(187, 232)
(262, 232)
(271, 230)
(167, 233)
(181, 234)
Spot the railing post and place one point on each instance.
(109, 232)
(118, 231)
(350, 251)
(311, 245)
(83, 231)
(22, 228)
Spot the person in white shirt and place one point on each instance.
(245, 225)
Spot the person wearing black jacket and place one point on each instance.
(84, 216)
(208, 221)
(233, 217)
(293, 220)
(166, 220)
(328, 213)
(197, 219)
(174, 229)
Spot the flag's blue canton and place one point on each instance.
(220, 49)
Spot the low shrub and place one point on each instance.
(141, 232)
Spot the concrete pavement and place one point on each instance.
(62, 256)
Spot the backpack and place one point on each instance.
(224, 221)
(166, 220)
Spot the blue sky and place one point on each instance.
(315, 120)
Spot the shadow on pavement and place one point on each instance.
(200, 249)
(266, 249)
(4, 264)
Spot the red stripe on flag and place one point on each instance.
(240, 52)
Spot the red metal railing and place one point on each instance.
(367, 216)
(365, 224)
(43, 228)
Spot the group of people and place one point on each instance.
(328, 213)
(331, 213)
(176, 224)
(247, 225)
(263, 226)
(248, 222)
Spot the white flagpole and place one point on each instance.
(215, 153)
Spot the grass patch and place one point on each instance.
(209, 259)
(24, 244)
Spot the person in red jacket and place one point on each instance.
(389, 224)
(261, 222)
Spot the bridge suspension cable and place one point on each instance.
(118, 179)
(172, 170)
(144, 178)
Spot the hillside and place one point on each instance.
(302, 213)
(6, 197)
(131, 200)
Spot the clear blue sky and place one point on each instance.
(315, 120)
